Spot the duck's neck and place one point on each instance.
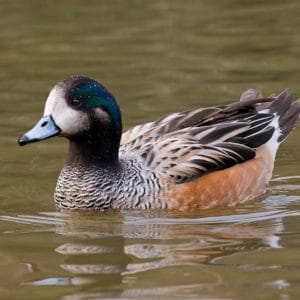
(100, 149)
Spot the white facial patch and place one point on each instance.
(69, 120)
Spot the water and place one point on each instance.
(156, 57)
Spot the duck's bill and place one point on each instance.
(44, 129)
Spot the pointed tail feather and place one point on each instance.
(287, 111)
(280, 105)
(289, 120)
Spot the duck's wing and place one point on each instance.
(150, 132)
(184, 146)
(192, 152)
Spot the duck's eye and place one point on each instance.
(75, 102)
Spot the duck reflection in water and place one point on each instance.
(118, 245)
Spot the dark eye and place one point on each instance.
(75, 102)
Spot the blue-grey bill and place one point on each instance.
(44, 129)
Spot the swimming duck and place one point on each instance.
(196, 159)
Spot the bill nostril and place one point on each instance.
(44, 124)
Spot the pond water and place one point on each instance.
(156, 57)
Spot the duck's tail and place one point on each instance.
(286, 114)
(287, 111)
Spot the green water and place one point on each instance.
(156, 57)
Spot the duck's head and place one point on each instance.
(80, 109)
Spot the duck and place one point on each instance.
(197, 159)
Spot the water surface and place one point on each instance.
(156, 57)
